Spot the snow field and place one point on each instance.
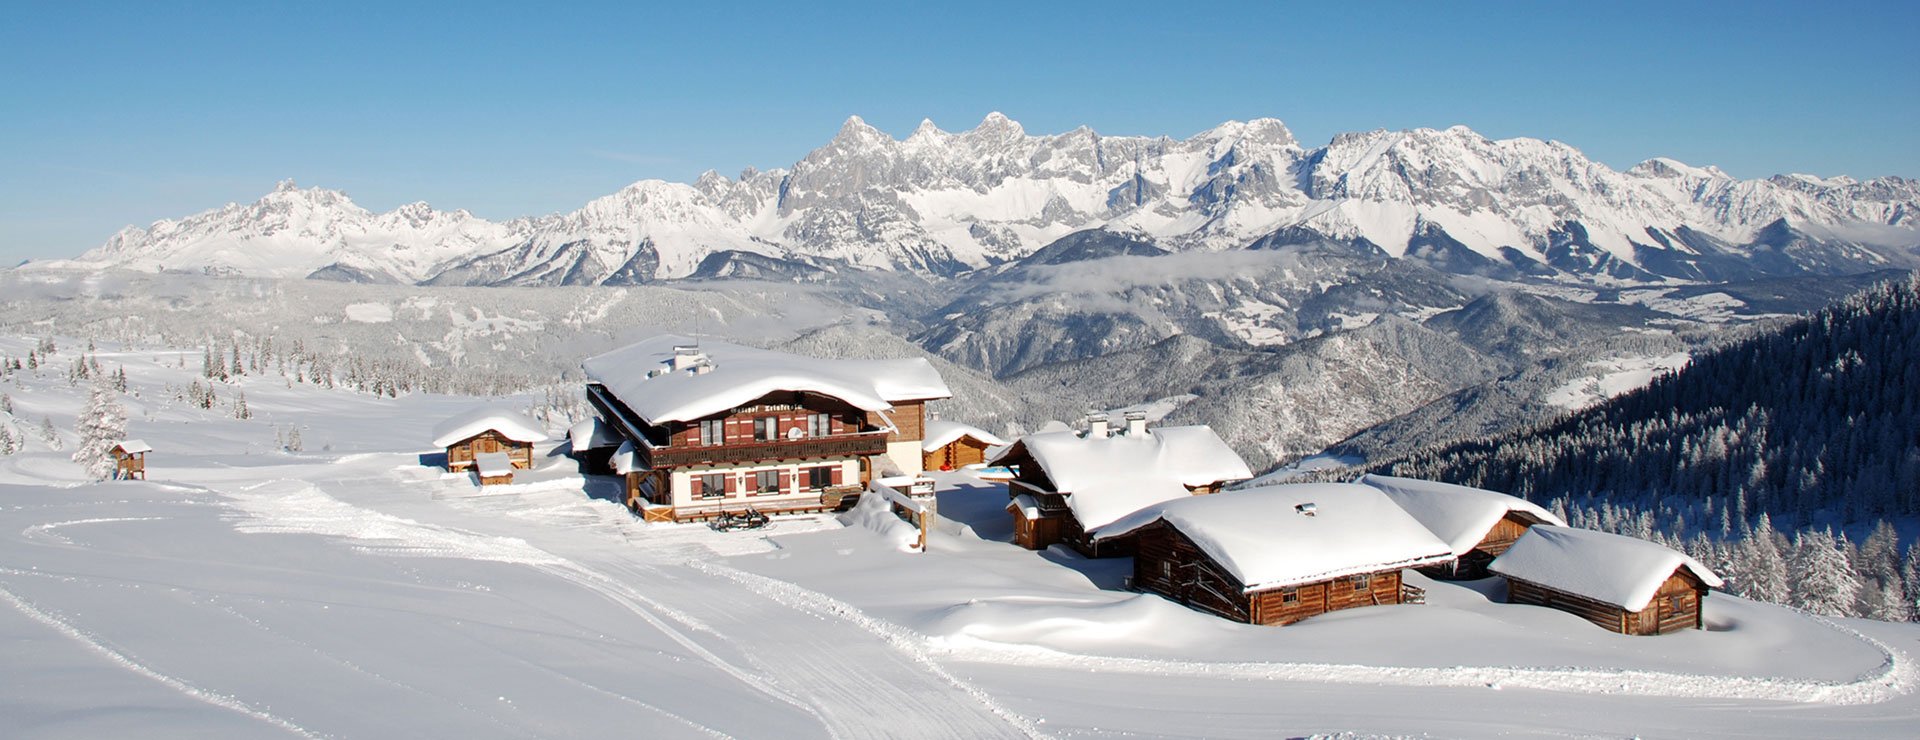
(359, 593)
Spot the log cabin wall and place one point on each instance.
(955, 455)
(1277, 606)
(1166, 562)
(1676, 606)
(460, 454)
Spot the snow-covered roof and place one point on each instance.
(1110, 477)
(1458, 515)
(492, 464)
(941, 433)
(627, 460)
(133, 446)
(1025, 504)
(591, 434)
(1264, 537)
(509, 423)
(1609, 568)
(736, 375)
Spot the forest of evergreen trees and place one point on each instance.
(1755, 458)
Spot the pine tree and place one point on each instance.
(8, 445)
(1824, 582)
(48, 434)
(102, 422)
(1910, 577)
(240, 406)
(1761, 571)
(293, 440)
(6, 403)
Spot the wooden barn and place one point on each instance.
(129, 459)
(1622, 584)
(486, 429)
(708, 427)
(1279, 554)
(951, 445)
(1069, 484)
(1478, 524)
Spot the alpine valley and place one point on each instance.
(1290, 297)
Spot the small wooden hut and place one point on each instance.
(1622, 584)
(129, 459)
(494, 468)
(1278, 554)
(951, 445)
(484, 430)
(1478, 524)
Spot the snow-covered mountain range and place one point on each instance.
(940, 203)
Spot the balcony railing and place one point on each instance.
(874, 443)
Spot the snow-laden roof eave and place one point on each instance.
(738, 375)
(510, 424)
(1344, 572)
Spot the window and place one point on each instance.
(819, 478)
(712, 485)
(713, 432)
(1166, 570)
(1362, 582)
(766, 481)
(766, 429)
(819, 425)
(1289, 595)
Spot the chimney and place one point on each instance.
(684, 355)
(1097, 426)
(702, 367)
(1136, 423)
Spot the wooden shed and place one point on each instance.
(1478, 524)
(486, 430)
(1278, 554)
(129, 459)
(494, 468)
(1622, 584)
(951, 445)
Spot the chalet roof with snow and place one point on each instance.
(661, 385)
(592, 434)
(510, 424)
(941, 433)
(132, 447)
(1106, 478)
(1290, 534)
(627, 459)
(1612, 569)
(1458, 515)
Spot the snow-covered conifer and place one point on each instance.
(1824, 580)
(102, 422)
(1761, 570)
(49, 434)
(240, 406)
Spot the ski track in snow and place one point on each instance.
(1895, 677)
(187, 689)
(851, 698)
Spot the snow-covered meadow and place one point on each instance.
(351, 589)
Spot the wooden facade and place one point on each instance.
(786, 452)
(129, 464)
(460, 454)
(1473, 564)
(955, 455)
(1676, 606)
(1166, 562)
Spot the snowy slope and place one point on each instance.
(246, 591)
(940, 202)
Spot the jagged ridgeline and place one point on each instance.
(1814, 422)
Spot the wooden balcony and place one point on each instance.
(873, 443)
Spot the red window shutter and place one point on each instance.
(694, 485)
(837, 469)
(729, 481)
(780, 478)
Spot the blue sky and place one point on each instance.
(116, 114)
